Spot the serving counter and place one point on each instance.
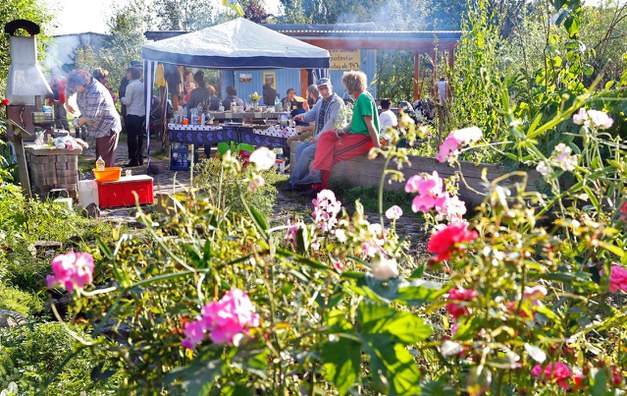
(272, 136)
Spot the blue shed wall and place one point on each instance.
(290, 78)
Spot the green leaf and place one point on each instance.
(259, 218)
(199, 376)
(393, 367)
(254, 361)
(436, 388)
(467, 329)
(572, 25)
(612, 248)
(379, 319)
(302, 239)
(341, 361)
(417, 273)
(600, 384)
(419, 292)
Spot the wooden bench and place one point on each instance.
(360, 171)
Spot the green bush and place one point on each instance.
(19, 301)
(31, 354)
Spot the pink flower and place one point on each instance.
(291, 232)
(557, 372)
(536, 371)
(234, 314)
(71, 270)
(449, 149)
(618, 279)
(339, 266)
(394, 213)
(459, 294)
(430, 189)
(445, 242)
(543, 168)
(194, 334)
(452, 208)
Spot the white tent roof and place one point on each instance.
(238, 44)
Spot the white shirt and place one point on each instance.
(386, 119)
(134, 98)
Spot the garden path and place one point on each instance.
(286, 205)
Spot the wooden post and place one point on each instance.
(417, 88)
(22, 166)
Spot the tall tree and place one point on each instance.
(188, 15)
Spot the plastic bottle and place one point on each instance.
(100, 164)
(278, 107)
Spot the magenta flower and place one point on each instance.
(459, 294)
(430, 189)
(234, 314)
(557, 372)
(194, 334)
(618, 279)
(449, 149)
(71, 270)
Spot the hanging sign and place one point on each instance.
(345, 59)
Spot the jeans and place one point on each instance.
(305, 153)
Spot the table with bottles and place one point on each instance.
(271, 135)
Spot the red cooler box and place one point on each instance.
(120, 192)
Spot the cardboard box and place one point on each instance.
(120, 193)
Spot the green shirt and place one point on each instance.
(364, 106)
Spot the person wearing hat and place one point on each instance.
(357, 138)
(326, 114)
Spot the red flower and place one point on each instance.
(459, 294)
(623, 211)
(443, 243)
(6, 101)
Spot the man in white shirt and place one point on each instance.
(135, 114)
(387, 118)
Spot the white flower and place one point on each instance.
(543, 168)
(581, 117)
(394, 212)
(383, 268)
(599, 119)
(563, 157)
(263, 158)
(467, 135)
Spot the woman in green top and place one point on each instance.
(356, 138)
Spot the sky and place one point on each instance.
(79, 16)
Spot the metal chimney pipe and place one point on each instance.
(25, 79)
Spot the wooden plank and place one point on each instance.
(360, 171)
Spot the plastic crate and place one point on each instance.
(120, 193)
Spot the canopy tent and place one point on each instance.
(237, 44)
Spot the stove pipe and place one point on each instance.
(25, 79)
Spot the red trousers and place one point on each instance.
(332, 149)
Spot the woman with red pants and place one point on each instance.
(355, 139)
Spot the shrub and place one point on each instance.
(19, 301)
